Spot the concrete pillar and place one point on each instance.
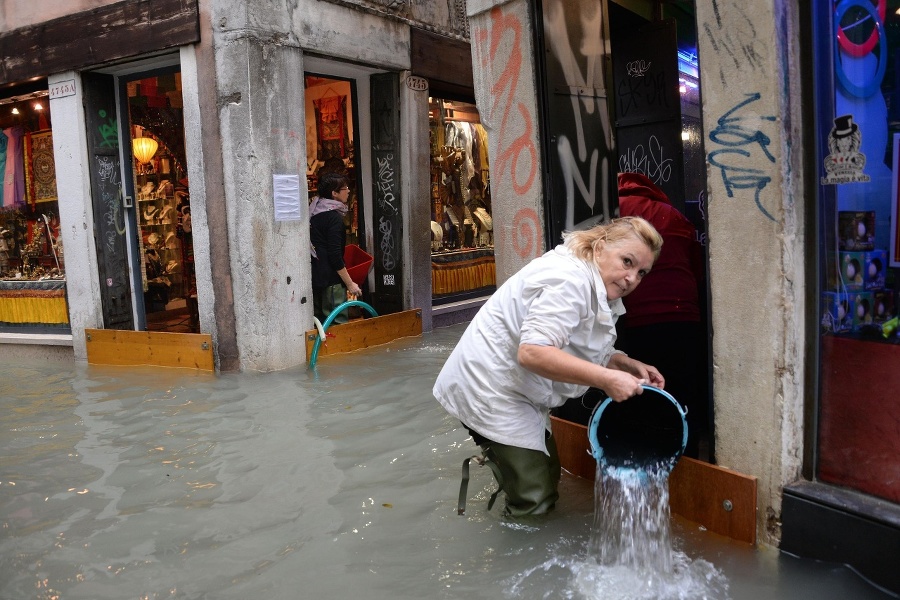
(76, 217)
(200, 201)
(506, 95)
(262, 124)
(416, 192)
(748, 52)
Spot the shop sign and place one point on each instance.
(61, 89)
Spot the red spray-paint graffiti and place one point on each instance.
(517, 154)
(526, 233)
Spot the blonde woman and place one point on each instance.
(546, 335)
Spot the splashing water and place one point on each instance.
(631, 519)
(629, 555)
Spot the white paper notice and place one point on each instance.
(286, 190)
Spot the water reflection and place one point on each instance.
(339, 483)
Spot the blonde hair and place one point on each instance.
(585, 243)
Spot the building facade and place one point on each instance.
(442, 113)
(190, 85)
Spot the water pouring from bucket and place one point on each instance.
(645, 434)
(636, 444)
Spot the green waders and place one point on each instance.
(528, 477)
(327, 299)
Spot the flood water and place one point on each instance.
(337, 483)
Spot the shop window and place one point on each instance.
(462, 227)
(32, 263)
(859, 246)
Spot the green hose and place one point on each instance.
(341, 308)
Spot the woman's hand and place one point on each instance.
(352, 287)
(621, 386)
(647, 373)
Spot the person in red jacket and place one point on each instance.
(664, 322)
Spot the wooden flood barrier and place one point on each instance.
(151, 348)
(365, 333)
(721, 500)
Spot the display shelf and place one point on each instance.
(156, 193)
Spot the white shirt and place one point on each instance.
(556, 300)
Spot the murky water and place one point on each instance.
(341, 483)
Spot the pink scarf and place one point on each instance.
(320, 205)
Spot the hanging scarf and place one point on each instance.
(320, 205)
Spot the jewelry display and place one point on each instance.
(150, 214)
(165, 214)
(462, 239)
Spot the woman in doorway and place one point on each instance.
(547, 334)
(330, 280)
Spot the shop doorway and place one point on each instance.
(332, 134)
(156, 182)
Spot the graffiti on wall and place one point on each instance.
(576, 44)
(111, 198)
(740, 142)
(387, 200)
(108, 130)
(498, 49)
(650, 160)
(387, 208)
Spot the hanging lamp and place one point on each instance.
(144, 148)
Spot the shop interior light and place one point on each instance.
(15, 110)
(144, 148)
(38, 106)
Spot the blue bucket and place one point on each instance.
(647, 432)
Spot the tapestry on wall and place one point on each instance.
(331, 127)
(40, 172)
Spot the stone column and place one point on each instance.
(260, 91)
(73, 182)
(416, 192)
(749, 82)
(505, 91)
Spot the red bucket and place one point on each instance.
(358, 263)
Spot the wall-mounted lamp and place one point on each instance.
(144, 149)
